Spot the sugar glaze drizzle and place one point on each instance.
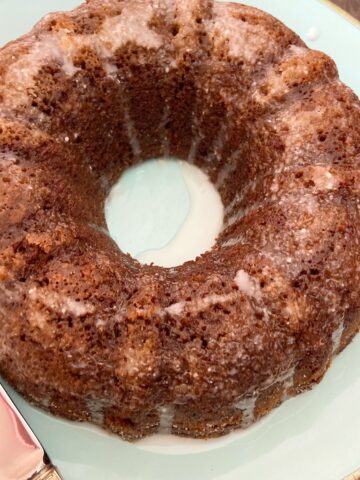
(166, 419)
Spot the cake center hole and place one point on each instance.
(165, 212)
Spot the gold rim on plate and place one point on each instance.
(340, 11)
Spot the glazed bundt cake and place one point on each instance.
(88, 333)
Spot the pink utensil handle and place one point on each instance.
(22, 456)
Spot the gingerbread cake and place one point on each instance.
(212, 345)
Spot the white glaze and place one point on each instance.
(20, 75)
(131, 26)
(147, 206)
(237, 198)
(336, 337)
(196, 235)
(244, 40)
(218, 143)
(60, 303)
(247, 405)
(300, 123)
(288, 382)
(97, 408)
(37, 319)
(286, 379)
(176, 308)
(166, 419)
(131, 131)
(62, 47)
(307, 201)
(297, 50)
(134, 361)
(248, 285)
(193, 149)
(165, 141)
(313, 34)
(199, 304)
(228, 169)
(232, 241)
(100, 323)
(274, 80)
(324, 180)
(238, 215)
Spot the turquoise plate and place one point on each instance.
(313, 436)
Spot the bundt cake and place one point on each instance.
(88, 333)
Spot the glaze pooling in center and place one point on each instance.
(164, 212)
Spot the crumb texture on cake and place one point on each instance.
(88, 333)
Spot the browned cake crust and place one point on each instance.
(88, 333)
